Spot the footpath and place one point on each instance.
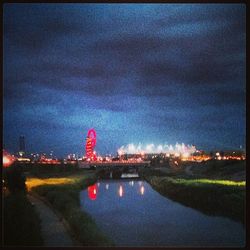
(53, 230)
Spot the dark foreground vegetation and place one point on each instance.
(204, 192)
(21, 223)
(227, 170)
(60, 185)
(40, 170)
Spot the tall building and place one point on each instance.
(21, 145)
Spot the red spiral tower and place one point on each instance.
(90, 145)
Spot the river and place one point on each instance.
(131, 213)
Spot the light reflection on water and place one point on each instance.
(93, 189)
(132, 214)
(92, 192)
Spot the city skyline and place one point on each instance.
(147, 73)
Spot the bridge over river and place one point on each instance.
(113, 164)
(116, 169)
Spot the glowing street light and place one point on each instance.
(7, 159)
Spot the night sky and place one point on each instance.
(136, 73)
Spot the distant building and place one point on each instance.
(21, 145)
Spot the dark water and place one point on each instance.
(131, 213)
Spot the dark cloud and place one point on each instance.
(71, 66)
(201, 13)
(224, 97)
(43, 30)
(71, 70)
(128, 45)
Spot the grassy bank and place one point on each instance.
(21, 223)
(38, 170)
(227, 169)
(212, 197)
(63, 194)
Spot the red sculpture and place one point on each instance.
(90, 145)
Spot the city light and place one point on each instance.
(45, 160)
(186, 155)
(22, 159)
(7, 159)
(138, 154)
(157, 149)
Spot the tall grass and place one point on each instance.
(212, 197)
(212, 181)
(63, 194)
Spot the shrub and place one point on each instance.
(210, 198)
(21, 222)
(15, 179)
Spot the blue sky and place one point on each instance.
(137, 73)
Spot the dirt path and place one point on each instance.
(53, 230)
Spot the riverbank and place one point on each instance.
(21, 223)
(53, 228)
(63, 195)
(217, 197)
